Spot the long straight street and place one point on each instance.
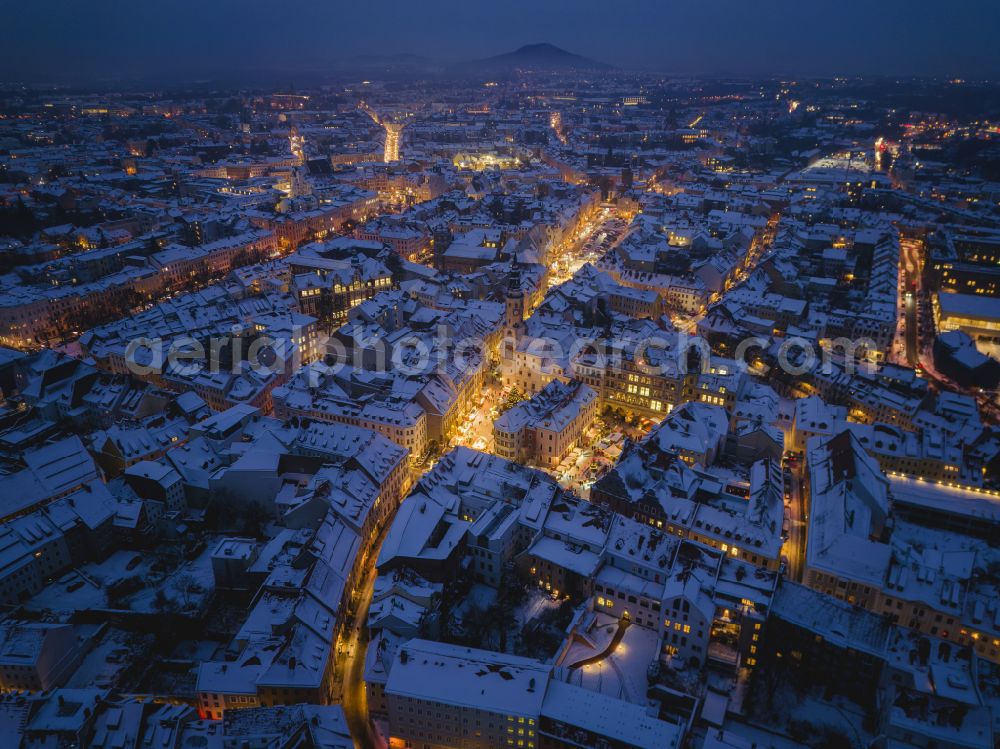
(355, 645)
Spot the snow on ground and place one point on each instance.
(86, 587)
(538, 603)
(189, 585)
(839, 715)
(623, 674)
(761, 738)
(479, 598)
(102, 666)
(599, 632)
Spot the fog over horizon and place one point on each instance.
(52, 40)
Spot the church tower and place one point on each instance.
(514, 300)
(296, 143)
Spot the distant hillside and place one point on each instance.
(540, 57)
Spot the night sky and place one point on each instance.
(74, 39)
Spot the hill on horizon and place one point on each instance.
(541, 57)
